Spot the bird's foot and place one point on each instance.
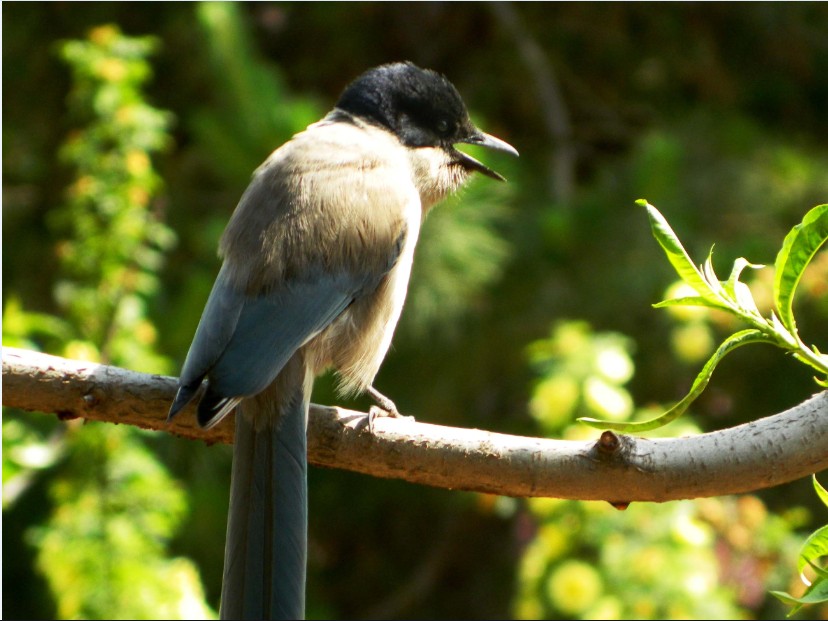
(384, 407)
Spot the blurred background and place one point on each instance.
(130, 130)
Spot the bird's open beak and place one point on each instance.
(485, 140)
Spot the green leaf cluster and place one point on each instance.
(814, 548)
(734, 297)
(103, 550)
(115, 238)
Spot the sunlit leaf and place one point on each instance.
(799, 247)
(739, 291)
(744, 298)
(781, 331)
(821, 492)
(819, 571)
(738, 267)
(817, 593)
(690, 300)
(702, 379)
(815, 546)
(710, 274)
(677, 255)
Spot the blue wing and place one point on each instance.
(243, 341)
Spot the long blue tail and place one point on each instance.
(265, 555)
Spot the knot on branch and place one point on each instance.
(612, 449)
(608, 443)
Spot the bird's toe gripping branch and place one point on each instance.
(384, 408)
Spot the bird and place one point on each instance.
(316, 262)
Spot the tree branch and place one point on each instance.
(617, 468)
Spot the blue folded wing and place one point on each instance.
(243, 341)
(270, 328)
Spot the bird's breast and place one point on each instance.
(357, 342)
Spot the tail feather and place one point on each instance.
(266, 549)
(185, 394)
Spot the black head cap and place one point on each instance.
(421, 107)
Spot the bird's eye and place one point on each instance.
(444, 126)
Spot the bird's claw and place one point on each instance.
(385, 407)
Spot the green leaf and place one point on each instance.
(814, 547)
(710, 275)
(817, 593)
(702, 379)
(738, 291)
(799, 247)
(782, 332)
(823, 495)
(738, 267)
(745, 301)
(690, 300)
(678, 257)
(819, 571)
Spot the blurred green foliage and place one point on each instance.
(707, 559)
(681, 560)
(115, 241)
(103, 549)
(714, 113)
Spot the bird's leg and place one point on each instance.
(383, 402)
(384, 407)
